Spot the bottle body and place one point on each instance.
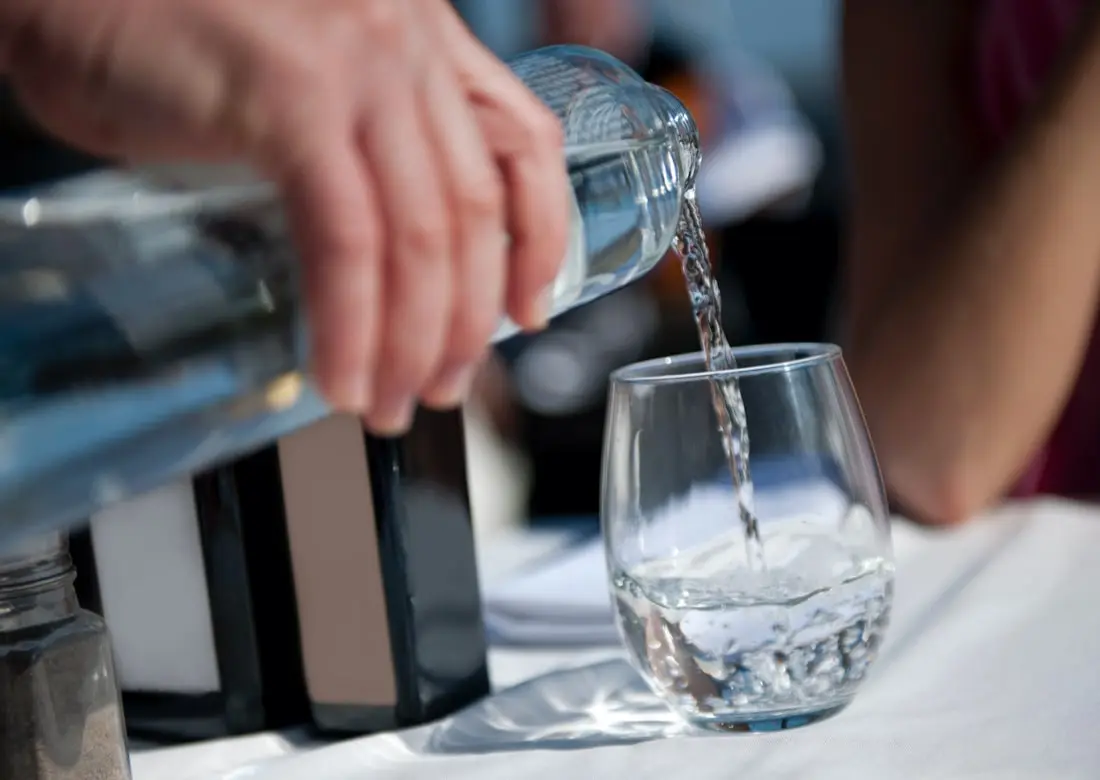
(61, 714)
(151, 323)
(632, 151)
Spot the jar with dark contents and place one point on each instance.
(60, 714)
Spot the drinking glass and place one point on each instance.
(729, 640)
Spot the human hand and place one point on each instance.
(425, 184)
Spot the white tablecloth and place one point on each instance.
(989, 671)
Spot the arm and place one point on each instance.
(971, 292)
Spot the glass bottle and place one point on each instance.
(60, 715)
(150, 321)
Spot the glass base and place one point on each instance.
(762, 722)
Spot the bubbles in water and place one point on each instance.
(730, 655)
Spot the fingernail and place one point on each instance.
(453, 386)
(539, 314)
(392, 417)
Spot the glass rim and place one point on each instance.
(669, 370)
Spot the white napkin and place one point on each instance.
(566, 600)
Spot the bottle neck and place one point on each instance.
(679, 119)
(37, 588)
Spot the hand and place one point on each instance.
(425, 184)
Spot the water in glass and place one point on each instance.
(730, 644)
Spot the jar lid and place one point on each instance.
(32, 551)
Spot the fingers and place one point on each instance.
(538, 218)
(404, 171)
(476, 205)
(526, 139)
(332, 206)
(418, 274)
(444, 203)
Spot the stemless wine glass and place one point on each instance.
(730, 640)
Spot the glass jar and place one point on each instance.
(60, 713)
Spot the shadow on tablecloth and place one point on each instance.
(603, 704)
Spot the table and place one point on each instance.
(989, 671)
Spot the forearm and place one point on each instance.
(964, 367)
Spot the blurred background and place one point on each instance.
(760, 79)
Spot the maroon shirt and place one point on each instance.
(1017, 43)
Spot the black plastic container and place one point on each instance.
(336, 576)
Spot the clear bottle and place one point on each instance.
(632, 151)
(150, 322)
(60, 710)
